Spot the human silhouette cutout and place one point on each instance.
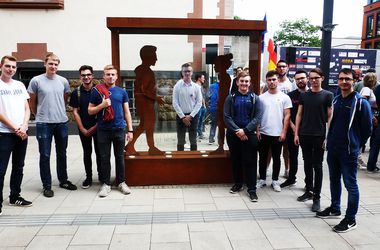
(145, 97)
(222, 63)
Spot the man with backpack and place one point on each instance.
(79, 101)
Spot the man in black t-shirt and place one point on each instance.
(301, 80)
(314, 111)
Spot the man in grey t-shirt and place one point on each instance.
(48, 96)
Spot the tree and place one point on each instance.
(298, 33)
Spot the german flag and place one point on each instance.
(272, 55)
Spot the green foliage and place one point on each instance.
(298, 33)
(238, 18)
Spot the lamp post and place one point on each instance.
(327, 28)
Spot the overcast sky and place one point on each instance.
(348, 14)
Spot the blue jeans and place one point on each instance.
(12, 144)
(374, 150)
(343, 164)
(201, 121)
(45, 134)
(213, 124)
(116, 137)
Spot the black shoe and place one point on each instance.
(288, 183)
(345, 225)
(306, 196)
(375, 170)
(329, 213)
(236, 188)
(1, 211)
(68, 185)
(19, 201)
(86, 183)
(48, 193)
(253, 196)
(316, 205)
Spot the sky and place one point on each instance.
(348, 14)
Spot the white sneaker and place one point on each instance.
(187, 146)
(104, 190)
(123, 187)
(276, 186)
(261, 183)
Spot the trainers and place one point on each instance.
(104, 190)
(19, 201)
(345, 225)
(306, 196)
(86, 183)
(316, 205)
(68, 185)
(260, 184)
(48, 193)
(236, 188)
(288, 183)
(123, 187)
(253, 196)
(276, 186)
(329, 213)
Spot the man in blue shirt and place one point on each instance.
(111, 131)
(213, 95)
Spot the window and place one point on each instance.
(369, 28)
(378, 24)
(34, 4)
(368, 46)
(377, 45)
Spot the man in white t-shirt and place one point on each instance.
(272, 130)
(14, 118)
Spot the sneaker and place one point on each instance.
(1, 211)
(236, 188)
(104, 190)
(276, 186)
(329, 213)
(19, 201)
(345, 225)
(316, 205)
(68, 185)
(123, 187)
(376, 170)
(48, 193)
(253, 196)
(210, 143)
(288, 183)
(306, 196)
(187, 146)
(86, 183)
(261, 183)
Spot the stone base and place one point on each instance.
(176, 168)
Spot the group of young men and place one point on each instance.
(285, 114)
(47, 95)
(307, 116)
